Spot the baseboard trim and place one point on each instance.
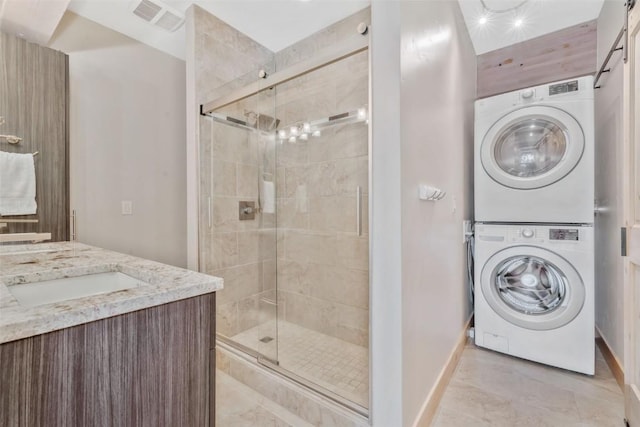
(430, 406)
(611, 359)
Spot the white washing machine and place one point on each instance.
(534, 152)
(534, 293)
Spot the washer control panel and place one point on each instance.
(571, 234)
(563, 236)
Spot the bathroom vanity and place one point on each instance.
(90, 337)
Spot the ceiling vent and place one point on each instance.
(158, 14)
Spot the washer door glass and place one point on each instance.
(532, 287)
(532, 147)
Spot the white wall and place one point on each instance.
(608, 179)
(422, 133)
(127, 141)
(385, 219)
(438, 90)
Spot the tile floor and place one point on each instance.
(336, 365)
(239, 406)
(491, 389)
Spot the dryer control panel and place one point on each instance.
(572, 234)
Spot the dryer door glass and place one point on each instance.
(530, 285)
(530, 147)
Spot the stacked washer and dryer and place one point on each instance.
(534, 212)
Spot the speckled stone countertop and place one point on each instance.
(33, 263)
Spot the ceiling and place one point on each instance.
(275, 24)
(538, 17)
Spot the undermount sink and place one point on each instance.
(69, 288)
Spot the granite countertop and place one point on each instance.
(37, 262)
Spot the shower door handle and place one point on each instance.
(359, 210)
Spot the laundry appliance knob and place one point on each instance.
(527, 232)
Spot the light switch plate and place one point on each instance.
(127, 207)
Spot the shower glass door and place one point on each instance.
(238, 230)
(294, 160)
(322, 168)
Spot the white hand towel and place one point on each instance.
(268, 197)
(17, 184)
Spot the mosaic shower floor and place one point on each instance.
(334, 364)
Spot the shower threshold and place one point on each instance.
(350, 367)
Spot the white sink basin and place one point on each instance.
(50, 291)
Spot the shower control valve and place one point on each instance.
(246, 210)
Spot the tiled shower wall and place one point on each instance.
(241, 252)
(323, 277)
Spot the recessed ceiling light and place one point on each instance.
(517, 23)
(483, 20)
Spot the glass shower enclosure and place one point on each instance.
(284, 178)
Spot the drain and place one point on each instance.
(266, 339)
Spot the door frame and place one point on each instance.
(631, 189)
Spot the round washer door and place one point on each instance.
(532, 288)
(532, 147)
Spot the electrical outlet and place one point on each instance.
(127, 207)
(466, 231)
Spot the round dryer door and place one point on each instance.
(532, 147)
(532, 288)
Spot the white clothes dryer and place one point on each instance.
(534, 293)
(534, 154)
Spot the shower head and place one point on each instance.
(261, 121)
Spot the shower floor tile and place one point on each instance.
(332, 363)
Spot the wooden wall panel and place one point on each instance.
(34, 103)
(153, 367)
(565, 54)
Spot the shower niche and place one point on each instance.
(284, 196)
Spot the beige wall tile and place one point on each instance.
(239, 282)
(269, 275)
(222, 251)
(340, 142)
(227, 318)
(353, 251)
(339, 284)
(311, 247)
(294, 277)
(256, 310)
(224, 214)
(248, 247)
(330, 318)
(223, 176)
(290, 216)
(290, 154)
(333, 213)
(247, 178)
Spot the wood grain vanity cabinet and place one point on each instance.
(152, 367)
